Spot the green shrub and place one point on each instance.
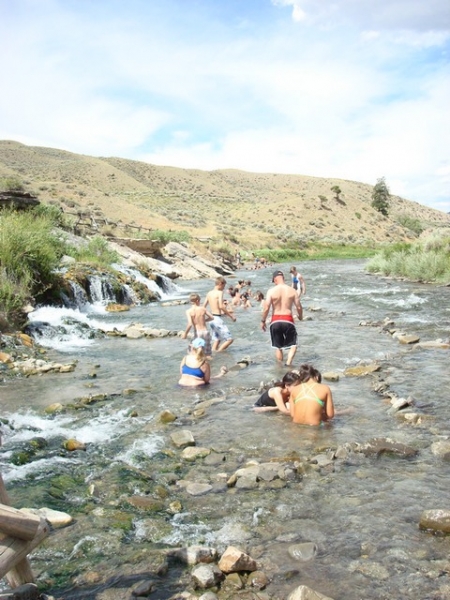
(427, 260)
(11, 184)
(410, 223)
(167, 236)
(96, 252)
(53, 213)
(29, 256)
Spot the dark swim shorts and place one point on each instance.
(283, 334)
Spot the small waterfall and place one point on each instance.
(101, 291)
(64, 328)
(78, 299)
(162, 286)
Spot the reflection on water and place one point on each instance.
(362, 516)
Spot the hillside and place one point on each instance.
(250, 209)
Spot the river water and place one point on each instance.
(362, 513)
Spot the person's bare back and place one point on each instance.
(282, 298)
(215, 300)
(199, 317)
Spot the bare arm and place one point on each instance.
(224, 309)
(189, 325)
(207, 371)
(275, 394)
(299, 307)
(302, 284)
(183, 362)
(265, 310)
(208, 316)
(329, 406)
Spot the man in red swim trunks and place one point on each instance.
(282, 298)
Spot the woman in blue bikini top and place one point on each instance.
(194, 368)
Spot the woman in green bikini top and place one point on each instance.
(310, 401)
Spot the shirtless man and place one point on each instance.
(220, 331)
(197, 317)
(282, 299)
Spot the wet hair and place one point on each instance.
(292, 269)
(220, 279)
(291, 378)
(259, 295)
(307, 372)
(194, 298)
(199, 353)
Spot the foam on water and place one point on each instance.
(140, 450)
(406, 302)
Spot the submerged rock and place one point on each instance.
(361, 370)
(303, 592)
(380, 446)
(435, 520)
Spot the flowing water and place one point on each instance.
(362, 515)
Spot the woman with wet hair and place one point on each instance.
(310, 401)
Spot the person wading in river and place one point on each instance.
(197, 317)
(220, 332)
(282, 299)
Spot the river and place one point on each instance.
(362, 513)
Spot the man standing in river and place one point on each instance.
(282, 299)
(220, 332)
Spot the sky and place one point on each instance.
(346, 89)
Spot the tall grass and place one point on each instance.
(315, 251)
(95, 252)
(424, 260)
(29, 255)
(166, 236)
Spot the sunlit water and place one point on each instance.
(363, 516)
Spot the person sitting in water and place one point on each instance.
(194, 367)
(310, 401)
(276, 397)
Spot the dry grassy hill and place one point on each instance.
(231, 206)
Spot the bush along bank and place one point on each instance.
(426, 260)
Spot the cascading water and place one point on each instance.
(83, 318)
(101, 291)
(162, 286)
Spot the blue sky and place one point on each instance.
(349, 89)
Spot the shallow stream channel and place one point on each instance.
(342, 514)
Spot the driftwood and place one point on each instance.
(19, 535)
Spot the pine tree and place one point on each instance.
(381, 197)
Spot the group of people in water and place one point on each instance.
(301, 393)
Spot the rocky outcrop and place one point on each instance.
(177, 261)
(18, 200)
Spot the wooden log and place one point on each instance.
(21, 573)
(18, 524)
(14, 551)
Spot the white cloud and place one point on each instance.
(324, 89)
